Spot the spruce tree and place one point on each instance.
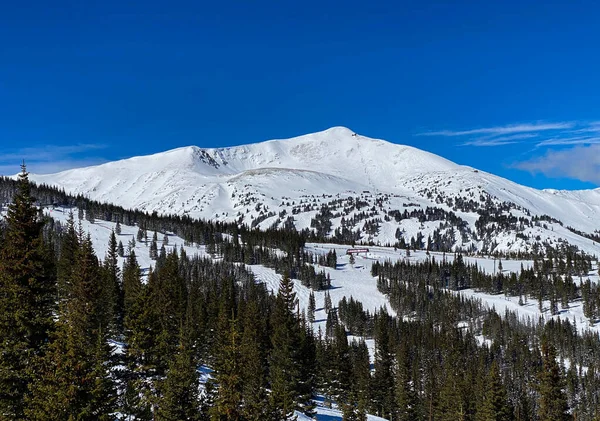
(253, 363)
(553, 402)
(228, 403)
(383, 401)
(311, 307)
(76, 368)
(180, 398)
(284, 367)
(66, 258)
(112, 289)
(27, 299)
(494, 403)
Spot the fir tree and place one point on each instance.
(253, 366)
(553, 403)
(311, 307)
(327, 303)
(180, 398)
(111, 294)
(383, 379)
(228, 403)
(76, 368)
(27, 299)
(493, 406)
(283, 362)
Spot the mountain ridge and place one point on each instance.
(267, 183)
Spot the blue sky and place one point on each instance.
(509, 87)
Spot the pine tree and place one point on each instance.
(143, 335)
(383, 379)
(406, 395)
(132, 285)
(553, 402)
(27, 299)
(66, 258)
(311, 307)
(283, 362)
(253, 363)
(328, 304)
(494, 405)
(112, 289)
(180, 398)
(76, 368)
(307, 358)
(228, 404)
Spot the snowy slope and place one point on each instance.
(265, 183)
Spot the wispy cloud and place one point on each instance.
(47, 159)
(503, 130)
(538, 134)
(580, 163)
(570, 141)
(501, 140)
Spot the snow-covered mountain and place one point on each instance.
(376, 190)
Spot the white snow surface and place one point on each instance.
(258, 182)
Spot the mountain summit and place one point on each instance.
(370, 189)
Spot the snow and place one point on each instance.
(248, 181)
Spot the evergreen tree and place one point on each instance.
(553, 403)
(27, 299)
(111, 294)
(75, 371)
(311, 307)
(66, 258)
(383, 379)
(494, 403)
(284, 369)
(253, 363)
(406, 395)
(180, 398)
(228, 403)
(327, 303)
(143, 335)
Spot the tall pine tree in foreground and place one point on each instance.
(284, 369)
(553, 402)
(27, 298)
(75, 370)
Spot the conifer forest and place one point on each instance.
(84, 337)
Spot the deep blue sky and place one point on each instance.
(86, 82)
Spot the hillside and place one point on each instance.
(350, 188)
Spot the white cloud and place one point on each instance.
(503, 130)
(580, 163)
(566, 141)
(501, 140)
(47, 159)
(537, 134)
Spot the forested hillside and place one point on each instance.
(86, 338)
